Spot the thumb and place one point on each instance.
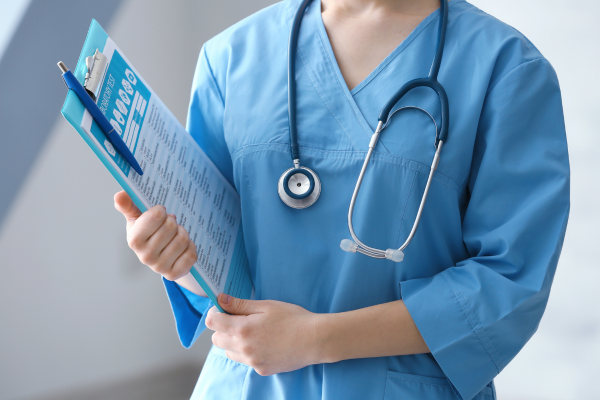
(127, 207)
(236, 306)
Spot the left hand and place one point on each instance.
(269, 336)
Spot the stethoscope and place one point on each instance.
(300, 187)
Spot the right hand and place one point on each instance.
(157, 239)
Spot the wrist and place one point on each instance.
(325, 339)
(189, 282)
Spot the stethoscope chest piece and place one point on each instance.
(299, 187)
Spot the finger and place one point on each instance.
(221, 322)
(224, 341)
(126, 206)
(236, 306)
(163, 236)
(212, 310)
(185, 261)
(145, 226)
(174, 250)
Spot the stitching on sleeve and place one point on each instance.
(513, 71)
(212, 76)
(475, 324)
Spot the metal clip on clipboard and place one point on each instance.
(96, 66)
(96, 69)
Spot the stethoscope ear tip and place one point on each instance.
(348, 246)
(394, 255)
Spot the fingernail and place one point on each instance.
(226, 298)
(173, 216)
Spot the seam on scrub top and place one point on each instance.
(419, 382)
(309, 74)
(523, 64)
(345, 154)
(475, 324)
(412, 185)
(400, 51)
(212, 77)
(385, 386)
(387, 368)
(367, 130)
(245, 384)
(383, 66)
(247, 178)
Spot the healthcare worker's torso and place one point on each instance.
(460, 284)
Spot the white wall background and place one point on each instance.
(77, 309)
(562, 361)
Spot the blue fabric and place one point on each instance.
(189, 310)
(477, 275)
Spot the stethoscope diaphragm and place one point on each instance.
(299, 187)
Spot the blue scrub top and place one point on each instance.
(477, 275)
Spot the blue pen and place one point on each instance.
(74, 85)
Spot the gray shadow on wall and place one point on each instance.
(169, 384)
(32, 91)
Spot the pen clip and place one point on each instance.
(106, 126)
(96, 69)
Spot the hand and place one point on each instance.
(269, 336)
(156, 238)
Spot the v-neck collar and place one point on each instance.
(318, 58)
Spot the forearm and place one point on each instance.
(382, 330)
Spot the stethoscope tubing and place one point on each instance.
(292, 50)
(303, 196)
(363, 248)
(442, 134)
(383, 120)
(431, 80)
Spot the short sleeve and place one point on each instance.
(205, 125)
(477, 315)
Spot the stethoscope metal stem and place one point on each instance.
(377, 253)
(298, 187)
(365, 249)
(434, 165)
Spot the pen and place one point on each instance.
(74, 85)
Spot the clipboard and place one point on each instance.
(228, 271)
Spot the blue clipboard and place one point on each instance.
(73, 110)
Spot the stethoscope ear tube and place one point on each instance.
(390, 254)
(292, 50)
(308, 184)
(440, 137)
(430, 81)
(302, 198)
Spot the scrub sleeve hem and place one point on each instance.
(453, 334)
(189, 311)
